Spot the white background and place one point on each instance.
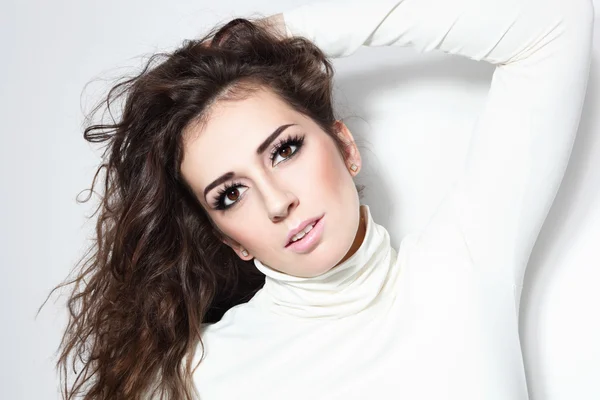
(411, 114)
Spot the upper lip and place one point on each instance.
(300, 227)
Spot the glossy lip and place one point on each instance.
(310, 240)
(299, 228)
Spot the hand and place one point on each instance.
(274, 23)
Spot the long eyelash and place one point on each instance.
(296, 140)
(218, 204)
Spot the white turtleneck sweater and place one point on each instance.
(437, 318)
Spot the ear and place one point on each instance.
(351, 150)
(235, 246)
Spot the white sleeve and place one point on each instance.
(523, 138)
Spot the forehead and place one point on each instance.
(237, 118)
(229, 138)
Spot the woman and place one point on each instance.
(228, 152)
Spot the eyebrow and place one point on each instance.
(261, 149)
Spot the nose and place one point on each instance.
(279, 200)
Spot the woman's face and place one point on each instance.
(306, 178)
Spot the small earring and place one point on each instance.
(353, 167)
(244, 253)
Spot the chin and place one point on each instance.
(308, 272)
(328, 265)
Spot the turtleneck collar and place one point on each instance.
(347, 289)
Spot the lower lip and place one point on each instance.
(310, 240)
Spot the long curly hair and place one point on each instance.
(157, 269)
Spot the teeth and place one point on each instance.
(301, 234)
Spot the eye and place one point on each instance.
(231, 192)
(292, 141)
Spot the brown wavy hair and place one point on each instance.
(157, 269)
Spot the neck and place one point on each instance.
(360, 235)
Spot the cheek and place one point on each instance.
(243, 234)
(329, 171)
(239, 226)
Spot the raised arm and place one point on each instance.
(523, 138)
